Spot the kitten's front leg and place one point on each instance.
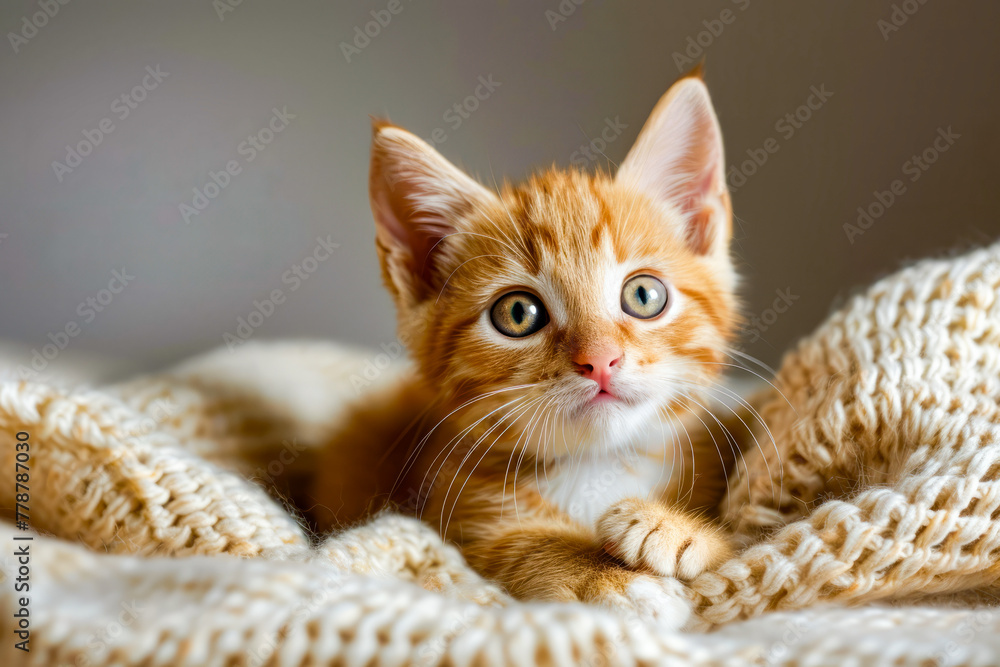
(671, 542)
(558, 560)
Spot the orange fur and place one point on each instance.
(484, 439)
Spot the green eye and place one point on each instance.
(644, 297)
(518, 314)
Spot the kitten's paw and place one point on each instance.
(672, 543)
(652, 598)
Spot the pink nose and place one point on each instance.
(598, 367)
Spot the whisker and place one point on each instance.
(461, 232)
(760, 419)
(731, 440)
(545, 441)
(526, 436)
(452, 274)
(694, 459)
(444, 501)
(412, 459)
(562, 431)
(514, 225)
(457, 438)
(663, 468)
(503, 497)
(733, 395)
(752, 359)
(520, 249)
(751, 371)
(523, 409)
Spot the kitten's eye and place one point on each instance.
(518, 314)
(644, 297)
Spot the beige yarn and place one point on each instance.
(893, 406)
(896, 402)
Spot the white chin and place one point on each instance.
(613, 424)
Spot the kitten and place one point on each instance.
(562, 331)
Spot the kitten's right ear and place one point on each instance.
(418, 199)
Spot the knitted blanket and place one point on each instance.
(870, 506)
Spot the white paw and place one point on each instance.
(671, 543)
(652, 598)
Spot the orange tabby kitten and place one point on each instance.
(561, 330)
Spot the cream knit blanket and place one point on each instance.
(159, 551)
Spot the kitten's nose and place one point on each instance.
(597, 366)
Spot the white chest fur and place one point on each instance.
(584, 489)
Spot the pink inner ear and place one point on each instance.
(416, 232)
(387, 220)
(417, 198)
(700, 186)
(699, 207)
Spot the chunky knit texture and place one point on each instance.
(887, 421)
(892, 412)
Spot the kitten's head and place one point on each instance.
(578, 302)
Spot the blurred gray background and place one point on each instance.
(900, 74)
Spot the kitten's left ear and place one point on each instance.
(678, 160)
